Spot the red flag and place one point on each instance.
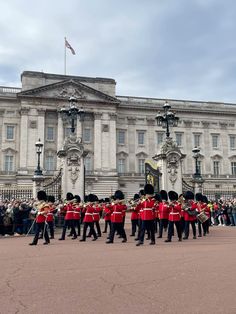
(69, 46)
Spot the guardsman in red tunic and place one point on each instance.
(42, 210)
(107, 215)
(157, 214)
(207, 212)
(77, 213)
(134, 214)
(163, 212)
(69, 217)
(88, 218)
(50, 215)
(190, 209)
(148, 215)
(141, 197)
(96, 216)
(174, 216)
(117, 217)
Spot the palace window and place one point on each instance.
(232, 141)
(178, 137)
(215, 141)
(199, 166)
(141, 137)
(141, 165)
(233, 168)
(121, 137)
(49, 163)
(8, 163)
(121, 165)
(50, 133)
(87, 135)
(216, 167)
(10, 132)
(160, 138)
(196, 140)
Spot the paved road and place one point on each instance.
(195, 276)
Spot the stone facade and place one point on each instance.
(119, 133)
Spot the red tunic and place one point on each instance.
(148, 209)
(68, 208)
(135, 212)
(77, 212)
(50, 214)
(192, 206)
(43, 209)
(175, 211)
(163, 210)
(88, 210)
(118, 212)
(107, 212)
(96, 214)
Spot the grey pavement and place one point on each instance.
(193, 276)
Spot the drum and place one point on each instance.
(202, 217)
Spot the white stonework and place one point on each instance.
(32, 109)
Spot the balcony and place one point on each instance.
(9, 90)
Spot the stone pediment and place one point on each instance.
(66, 89)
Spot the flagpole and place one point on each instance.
(65, 57)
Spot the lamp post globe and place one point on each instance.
(39, 149)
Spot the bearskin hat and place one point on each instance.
(51, 198)
(107, 200)
(204, 199)
(141, 192)
(158, 197)
(77, 198)
(173, 196)
(69, 196)
(148, 189)
(164, 195)
(136, 197)
(198, 197)
(188, 195)
(119, 195)
(41, 195)
(90, 198)
(95, 198)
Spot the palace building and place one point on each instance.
(119, 134)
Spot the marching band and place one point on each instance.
(151, 214)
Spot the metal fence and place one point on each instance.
(16, 194)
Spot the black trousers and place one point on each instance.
(70, 225)
(163, 225)
(40, 226)
(77, 225)
(107, 223)
(149, 226)
(135, 226)
(186, 228)
(171, 229)
(119, 228)
(91, 231)
(98, 229)
(51, 228)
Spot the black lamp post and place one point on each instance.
(196, 155)
(39, 149)
(167, 120)
(72, 112)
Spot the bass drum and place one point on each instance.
(202, 217)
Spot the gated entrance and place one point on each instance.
(152, 175)
(53, 186)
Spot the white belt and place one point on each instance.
(88, 214)
(50, 214)
(174, 213)
(147, 209)
(69, 212)
(117, 213)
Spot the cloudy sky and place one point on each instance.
(174, 49)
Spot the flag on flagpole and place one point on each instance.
(67, 45)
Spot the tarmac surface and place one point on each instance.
(192, 276)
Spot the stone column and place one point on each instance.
(60, 132)
(41, 131)
(79, 127)
(23, 141)
(150, 136)
(112, 142)
(207, 145)
(97, 141)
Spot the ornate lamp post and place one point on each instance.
(72, 112)
(196, 155)
(167, 120)
(39, 149)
